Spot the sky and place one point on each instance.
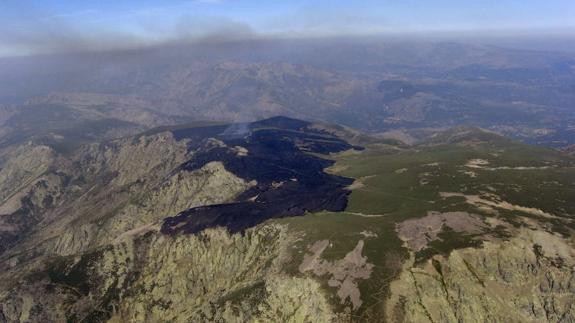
(44, 26)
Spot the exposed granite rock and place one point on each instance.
(529, 278)
(22, 166)
(26, 188)
(214, 276)
(132, 159)
(68, 205)
(209, 185)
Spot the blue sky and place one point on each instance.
(28, 26)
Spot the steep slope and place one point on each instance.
(528, 278)
(109, 188)
(99, 235)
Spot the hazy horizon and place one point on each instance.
(28, 28)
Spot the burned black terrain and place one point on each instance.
(278, 154)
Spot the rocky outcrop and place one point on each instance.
(67, 205)
(529, 278)
(152, 277)
(208, 185)
(185, 277)
(26, 188)
(132, 159)
(152, 192)
(21, 167)
(95, 252)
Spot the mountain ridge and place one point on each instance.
(146, 227)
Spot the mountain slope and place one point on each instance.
(287, 220)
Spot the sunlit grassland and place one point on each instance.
(395, 185)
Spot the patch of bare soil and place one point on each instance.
(13, 204)
(368, 234)
(138, 231)
(344, 273)
(483, 164)
(417, 233)
(358, 183)
(491, 202)
(366, 215)
(336, 169)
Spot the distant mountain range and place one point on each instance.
(373, 85)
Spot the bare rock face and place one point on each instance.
(132, 159)
(152, 277)
(208, 185)
(94, 251)
(66, 205)
(24, 184)
(188, 278)
(21, 167)
(526, 279)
